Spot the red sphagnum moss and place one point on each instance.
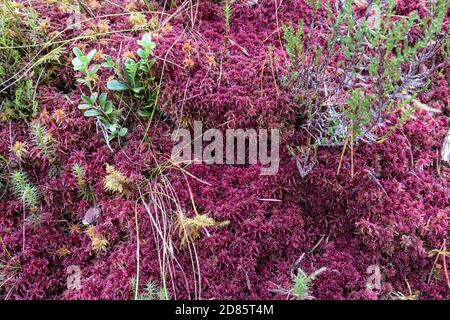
(394, 210)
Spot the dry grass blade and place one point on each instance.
(163, 207)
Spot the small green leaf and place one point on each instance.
(109, 62)
(123, 132)
(144, 113)
(84, 106)
(94, 97)
(112, 127)
(102, 99)
(140, 53)
(94, 70)
(116, 85)
(87, 100)
(108, 108)
(78, 53)
(92, 113)
(146, 41)
(138, 89)
(76, 63)
(90, 55)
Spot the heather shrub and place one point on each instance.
(356, 79)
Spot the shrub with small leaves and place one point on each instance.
(369, 70)
(97, 105)
(135, 76)
(102, 109)
(82, 64)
